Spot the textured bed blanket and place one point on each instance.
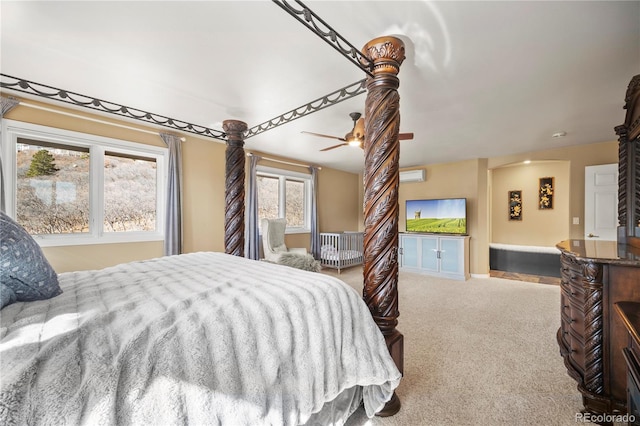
(202, 338)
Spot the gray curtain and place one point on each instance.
(173, 213)
(315, 232)
(252, 236)
(7, 104)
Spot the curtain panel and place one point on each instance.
(8, 103)
(315, 231)
(173, 213)
(252, 236)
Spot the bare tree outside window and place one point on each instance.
(71, 188)
(294, 211)
(53, 189)
(282, 195)
(53, 183)
(129, 193)
(268, 197)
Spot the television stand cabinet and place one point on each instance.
(446, 256)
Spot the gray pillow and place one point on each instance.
(25, 274)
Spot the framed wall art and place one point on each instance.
(545, 199)
(515, 205)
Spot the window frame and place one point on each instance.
(283, 175)
(97, 145)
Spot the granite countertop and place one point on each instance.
(601, 251)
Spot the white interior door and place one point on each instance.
(601, 202)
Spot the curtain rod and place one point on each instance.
(249, 154)
(96, 120)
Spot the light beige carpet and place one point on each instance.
(478, 352)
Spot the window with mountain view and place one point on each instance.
(69, 188)
(52, 194)
(130, 202)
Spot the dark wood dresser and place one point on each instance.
(594, 276)
(630, 314)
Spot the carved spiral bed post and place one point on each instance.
(381, 180)
(234, 188)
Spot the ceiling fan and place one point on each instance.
(356, 136)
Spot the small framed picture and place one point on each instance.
(545, 199)
(515, 205)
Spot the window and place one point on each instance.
(283, 193)
(130, 199)
(70, 188)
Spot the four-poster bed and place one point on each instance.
(384, 55)
(131, 341)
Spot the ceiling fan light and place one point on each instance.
(354, 142)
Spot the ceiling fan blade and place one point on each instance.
(335, 146)
(405, 136)
(325, 136)
(358, 128)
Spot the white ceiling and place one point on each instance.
(481, 79)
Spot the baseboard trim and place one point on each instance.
(480, 276)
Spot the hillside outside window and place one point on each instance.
(68, 188)
(287, 194)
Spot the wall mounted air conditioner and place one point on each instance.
(412, 176)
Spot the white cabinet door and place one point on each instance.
(445, 256)
(409, 251)
(429, 257)
(451, 255)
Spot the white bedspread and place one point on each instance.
(202, 338)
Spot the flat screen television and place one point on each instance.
(437, 216)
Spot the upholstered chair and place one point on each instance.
(273, 240)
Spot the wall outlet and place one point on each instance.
(576, 221)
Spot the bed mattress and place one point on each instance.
(201, 338)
